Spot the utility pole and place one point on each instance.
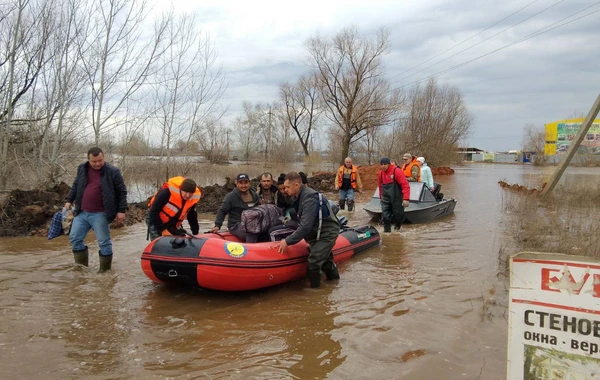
(227, 142)
(268, 150)
(573, 148)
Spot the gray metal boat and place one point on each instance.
(425, 205)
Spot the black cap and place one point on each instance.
(384, 160)
(242, 177)
(188, 185)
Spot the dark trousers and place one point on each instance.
(243, 235)
(392, 213)
(321, 254)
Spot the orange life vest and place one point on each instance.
(176, 201)
(340, 176)
(407, 169)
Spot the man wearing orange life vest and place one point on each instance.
(347, 181)
(169, 207)
(411, 168)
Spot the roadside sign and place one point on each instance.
(554, 317)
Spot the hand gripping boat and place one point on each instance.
(222, 262)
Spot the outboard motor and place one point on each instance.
(436, 191)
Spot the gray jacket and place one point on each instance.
(233, 205)
(308, 218)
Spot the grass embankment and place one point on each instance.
(565, 221)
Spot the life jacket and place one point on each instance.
(340, 176)
(175, 207)
(407, 168)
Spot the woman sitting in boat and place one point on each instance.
(243, 197)
(169, 207)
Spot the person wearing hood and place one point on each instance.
(394, 192)
(239, 199)
(426, 175)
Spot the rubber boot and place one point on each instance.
(350, 204)
(81, 257)
(105, 263)
(331, 271)
(314, 278)
(387, 228)
(342, 203)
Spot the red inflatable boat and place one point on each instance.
(221, 262)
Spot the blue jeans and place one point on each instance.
(82, 223)
(347, 194)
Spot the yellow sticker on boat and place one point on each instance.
(236, 250)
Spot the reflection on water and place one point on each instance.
(426, 304)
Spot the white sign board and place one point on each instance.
(554, 317)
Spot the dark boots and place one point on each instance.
(350, 204)
(331, 271)
(105, 263)
(387, 228)
(342, 204)
(314, 278)
(81, 257)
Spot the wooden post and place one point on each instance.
(585, 127)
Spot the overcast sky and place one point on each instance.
(552, 76)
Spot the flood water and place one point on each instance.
(427, 304)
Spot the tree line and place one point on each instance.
(115, 74)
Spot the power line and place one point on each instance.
(541, 31)
(482, 41)
(460, 43)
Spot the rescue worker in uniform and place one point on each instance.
(347, 181)
(394, 192)
(411, 168)
(170, 206)
(317, 224)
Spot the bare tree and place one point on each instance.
(352, 83)
(213, 142)
(188, 87)
(534, 140)
(302, 107)
(117, 55)
(23, 52)
(437, 120)
(247, 129)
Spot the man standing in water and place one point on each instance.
(394, 192)
(317, 224)
(99, 195)
(347, 181)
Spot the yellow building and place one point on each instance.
(561, 133)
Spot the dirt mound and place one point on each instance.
(442, 170)
(520, 188)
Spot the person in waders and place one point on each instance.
(394, 192)
(317, 224)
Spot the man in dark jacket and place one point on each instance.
(99, 196)
(267, 190)
(239, 199)
(317, 224)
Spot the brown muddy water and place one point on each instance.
(427, 304)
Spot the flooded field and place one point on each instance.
(427, 304)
